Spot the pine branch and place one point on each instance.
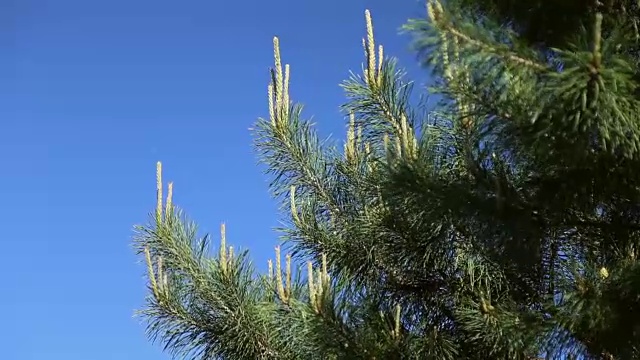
(503, 227)
(379, 98)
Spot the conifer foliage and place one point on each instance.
(503, 224)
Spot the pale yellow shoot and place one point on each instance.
(151, 274)
(169, 204)
(285, 93)
(604, 273)
(279, 111)
(350, 146)
(294, 207)
(279, 285)
(288, 277)
(279, 85)
(312, 288)
(159, 192)
(223, 247)
(371, 49)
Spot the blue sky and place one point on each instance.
(93, 93)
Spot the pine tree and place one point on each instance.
(503, 224)
(548, 91)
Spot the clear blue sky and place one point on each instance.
(93, 93)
